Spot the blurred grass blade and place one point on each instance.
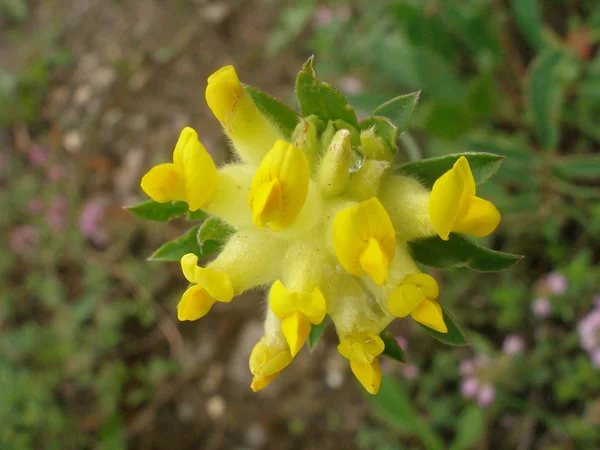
(321, 99)
(483, 166)
(460, 251)
(528, 17)
(544, 97)
(454, 336)
(470, 430)
(393, 405)
(392, 348)
(281, 115)
(159, 212)
(291, 23)
(579, 167)
(399, 110)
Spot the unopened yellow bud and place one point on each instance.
(191, 177)
(279, 187)
(334, 170)
(453, 205)
(373, 146)
(365, 182)
(305, 138)
(362, 349)
(416, 296)
(364, 240)
(251, 133)
(266, 361)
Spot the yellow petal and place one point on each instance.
(481, 218)
(413, 290)
(189, 262)
(369, 375)
(429, 313)
(200, 173)
(375, 262)
(296, 328)
(448, 195)
(279, 186)
(216, 283)
(194, 304)
(165, 183)
(223, 93)
(284, 302)
(268, 359)
(259, 383)
(361, 347)
(354, 228)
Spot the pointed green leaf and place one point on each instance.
(392, 348)
(316, 333)
(454, 336)
(321, 99)
(579, 167)
(460, 251)
(160, 212)
(544, 92)
(529, 20)
(214, 229)
(383, 128)
(186, 243)
(483, 166)
(399, 110)
(278, 113)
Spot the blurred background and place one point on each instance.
(93, 93)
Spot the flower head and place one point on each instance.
(318, 217)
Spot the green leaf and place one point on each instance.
(321, 99)
(399, 110)
(482, 96)
(460, 251)
(483, 166)
(454, 336)
(392, 348)
(544, 93)
(316, 333)
(186, 243)
(214, 229)
(470, 429)
(579, 167)
(393, 405)
(383, 128)
(197, 215)
(160, 212)
(281, 115)
(529, 20)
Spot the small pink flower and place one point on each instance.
(24, 240)
(541, 307)
(351, 85)
(38, 156)
(56, 173)
(466, 367)
(402, 342)
(557, 283)
(91, 220)
(323, 16)
(57, 213)
(597, 301)
(35, 206)
(410, 371)
(469, 387)
(596, 358)
(513, 345)
(486, 395)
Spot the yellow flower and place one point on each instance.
(416, 296)
(267, 360)
(453, 205)
(362, 349)
(251, 133)
(297, 311)
(279, 186)
(364, 240)
(190, 178)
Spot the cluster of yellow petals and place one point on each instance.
(300, 199)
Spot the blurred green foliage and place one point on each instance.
(517, 78)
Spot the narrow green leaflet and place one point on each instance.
(460, 251)
(383, 128)
(392, 348)
(399, 110)
(544, 92)
(454, 336)
(316, 333)
(470, 430)
(214, 229)
(483, 166)
(321, 99)
(579, 167)
(160, 212)
(186, 243)
(281, 115)
(528, 17)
